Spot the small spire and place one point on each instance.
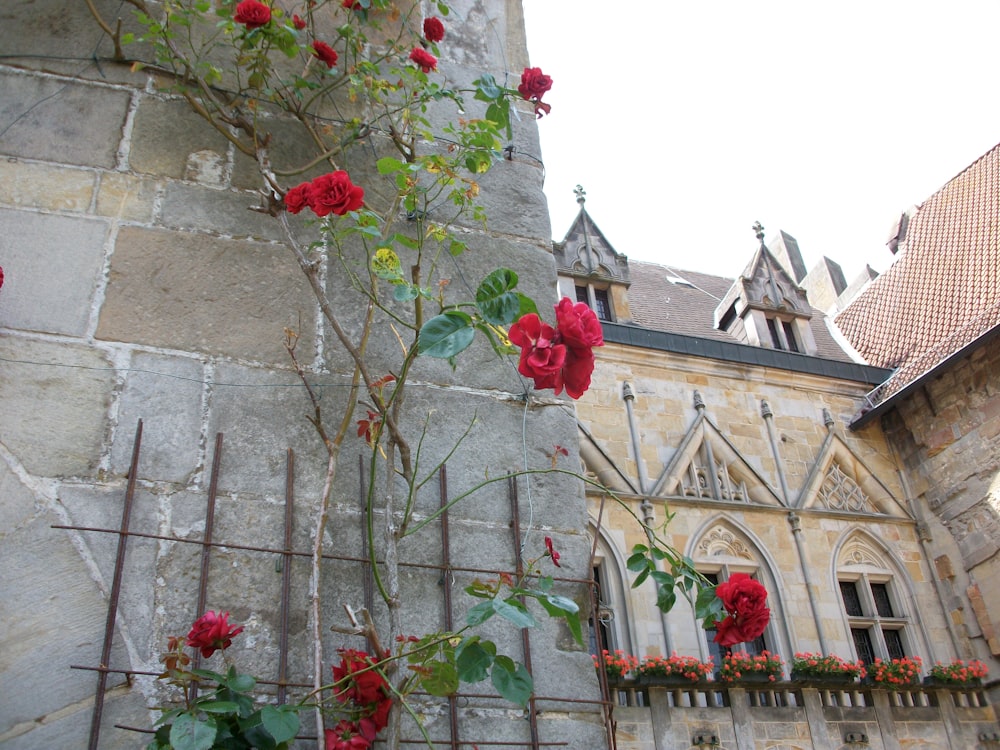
(699, 403)
(581, 194)
(758, 229)
(627, 393)
(828, 419)
(765, 409)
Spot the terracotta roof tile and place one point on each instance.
(945, 286)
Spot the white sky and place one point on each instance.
(687, 122)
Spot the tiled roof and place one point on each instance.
(943, 292)
(688, 308)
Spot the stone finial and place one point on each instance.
(828, 419)
(627, 393)
(758, 229)
(647, 511)
(699, 403)
(581, 194)
(765, 409)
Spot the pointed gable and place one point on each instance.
(840, 481)
(585, 252)
(708, 466)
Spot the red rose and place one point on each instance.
(297, 198)
(212, 631)
(334, 193)
(578, 325)
(552, 552)
(576, 372)
(345, 736)
(298, 22)
(352, 4)
(433, 29)
(325, 52)
(377, 720)
(361, 687)
(252, 14)
(541, 356)
(1, 277)
(746, 602)
(534, 84)
(424, 59)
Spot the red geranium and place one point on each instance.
(252, 14)
(424, 59)
(335, 193)
(346, 736)
(325, 52)
(746, 602)
(212, 631)
(433, 29)
(533, 86)
(298, 22)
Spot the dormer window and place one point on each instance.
(596, 299)
(782, 335)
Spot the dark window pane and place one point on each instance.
(790, 336)
(775, 341)
(863, 644)
(852, 602)
(757, 645)
(581, 295)
(894, 643)
(883, 604)
(603, 304)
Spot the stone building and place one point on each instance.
(727, 409)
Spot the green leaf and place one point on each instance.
(480, 613)
(442, 680)
(281, 722)
(562, 602)
(474, 660)
(486, 88)
(405, 292)
(515, 612)
(662, 578)
(240, 683)
(636, 562)
(446, 335)
(189, 733)
(218, 707)
(641, 578)
(666, 597)
(511, 680)
(495, 298)
(388, 165)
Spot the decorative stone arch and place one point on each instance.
(721, 543)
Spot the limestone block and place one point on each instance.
(198, 293)
(197, 207)
(166, 133)
(32, 185)
(55, 402)
(166, 394)
(126, 197)
(61, 121)
(51, 264)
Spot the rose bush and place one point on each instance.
(212, 632)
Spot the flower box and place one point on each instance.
(898, 674)
(676, 669)
(826, 670)
(957, 674)
(824, 680)
(740, 667)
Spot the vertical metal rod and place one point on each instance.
(525, 638)
(286, 575)
(595, 614)
(116, 588)
(206, 550)
(445, 582)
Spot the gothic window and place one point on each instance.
(707, 477)
(870, 597)
(596, 299)
(782, 334)
(609, 625)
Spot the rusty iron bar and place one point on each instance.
(294, 553)
(286, 575)
(206, 550)
(515, 520)
(116, 589)
(445, 582)
(595, 614)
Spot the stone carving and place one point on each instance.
(840, 492)
(722, 542)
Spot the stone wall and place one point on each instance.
(948, 431)
(139, 286)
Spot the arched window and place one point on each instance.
(719, 552)
(874, 599)
(610, 628)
